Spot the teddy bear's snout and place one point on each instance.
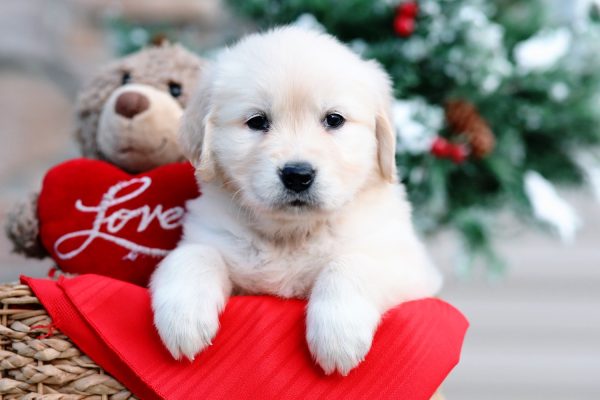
(129, 104)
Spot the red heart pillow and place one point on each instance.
(259, 352)
(95, 218)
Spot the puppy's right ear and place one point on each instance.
(384, 130)
(195, 131)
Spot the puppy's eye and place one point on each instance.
(125, 78)
(334, 120)
(175, 89)
(258, 122)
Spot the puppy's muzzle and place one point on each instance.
(297, 176)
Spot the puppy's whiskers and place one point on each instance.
(241, 211)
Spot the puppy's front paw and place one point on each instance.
(189, 289)
(339, 335)
(186, 328)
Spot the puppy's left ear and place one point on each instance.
(195, 131)
(384, 130)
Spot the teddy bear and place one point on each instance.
(127, 115)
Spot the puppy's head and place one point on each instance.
(293, 122)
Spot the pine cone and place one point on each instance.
(464, 119)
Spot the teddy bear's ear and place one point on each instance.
(195, 130)
(159, 39)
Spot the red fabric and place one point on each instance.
(95, 218)
(260, 351)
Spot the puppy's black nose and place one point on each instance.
(297, 176)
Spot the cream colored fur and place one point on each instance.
(352, 253)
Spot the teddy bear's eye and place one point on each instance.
(175, 89)
(126, 78)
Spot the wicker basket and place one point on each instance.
(39, 362)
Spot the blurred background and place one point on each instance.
(498, 120)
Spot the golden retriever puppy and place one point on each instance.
(291, 137)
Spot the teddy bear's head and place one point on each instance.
(129, 113)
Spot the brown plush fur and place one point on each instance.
(155, 67)
(23, 230)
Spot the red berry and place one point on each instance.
(441, 147)
(404, 26)
(458, 153)
(408, 9)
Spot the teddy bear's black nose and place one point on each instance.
(297, 176)
(130, 104)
